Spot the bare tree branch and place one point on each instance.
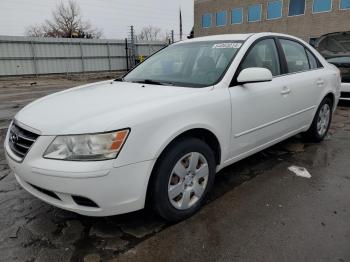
(66, 22)
(150, 33)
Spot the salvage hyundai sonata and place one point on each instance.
(158, 135)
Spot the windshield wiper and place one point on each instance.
(120, 79)
(153, 82)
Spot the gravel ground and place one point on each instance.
(258, 210)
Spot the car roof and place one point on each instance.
(221, 37)
(234, 37)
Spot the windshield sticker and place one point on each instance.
(228, 45)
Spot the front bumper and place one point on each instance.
(113, 190)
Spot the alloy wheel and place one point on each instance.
(323, 119)
(188, 180)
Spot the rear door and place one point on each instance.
(304, 81)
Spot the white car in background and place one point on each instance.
(161, 133)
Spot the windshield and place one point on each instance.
(196, 64)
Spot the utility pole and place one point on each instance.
(172, 36)
(127, 54)
(180, 25)
(132, 46)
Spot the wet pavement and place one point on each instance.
(259, 210)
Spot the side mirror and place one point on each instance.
(254, 75)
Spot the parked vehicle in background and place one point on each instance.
(343, 63)
(336, 49)
(161, 133)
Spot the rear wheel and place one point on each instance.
(321, 123)
(182, 179)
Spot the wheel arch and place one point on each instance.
(201, 133)
(206, 136)
(331, 96)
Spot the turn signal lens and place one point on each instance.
(119, 140)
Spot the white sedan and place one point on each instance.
(159, 135)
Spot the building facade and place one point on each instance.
(307, 19)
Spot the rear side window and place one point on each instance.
(312, 60)
(297, 60)
(264, 54)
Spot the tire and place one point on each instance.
(321, 122)
(179, 189)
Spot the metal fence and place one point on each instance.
(38, 56)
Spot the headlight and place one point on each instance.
(89, 147)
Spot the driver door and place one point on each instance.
(259, 110)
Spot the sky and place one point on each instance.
(112, 16)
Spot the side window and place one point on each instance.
(263, 54)
(297, 60)
(312, 60)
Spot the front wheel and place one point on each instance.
(321, 123)
(182, 179)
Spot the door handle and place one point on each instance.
(320, 82)
(285, 91)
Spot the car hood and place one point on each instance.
(95, 107)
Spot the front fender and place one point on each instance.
(150, 136)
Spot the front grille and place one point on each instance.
(21, 140)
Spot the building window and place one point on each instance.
(274, 10)
(206, 20)
(254, 13)
(221, 18)
(320, 6)
(237, 16)
(296, 7)
(345, 4)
